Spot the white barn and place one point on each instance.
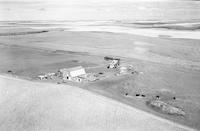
(70, 73)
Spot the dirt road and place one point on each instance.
(26, 105)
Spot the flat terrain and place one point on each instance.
(166, 67)
(41, 106)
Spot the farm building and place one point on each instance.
(72, 73)
(114, 63)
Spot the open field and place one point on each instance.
(42, 106)
(166, 67)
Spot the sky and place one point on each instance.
(99, 9)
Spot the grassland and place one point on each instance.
(167, 67)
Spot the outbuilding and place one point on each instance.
(71, 73)
(114, 63)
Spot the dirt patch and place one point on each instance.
(164, 107)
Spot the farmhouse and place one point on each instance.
(71, 73)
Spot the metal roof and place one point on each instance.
(72, 69)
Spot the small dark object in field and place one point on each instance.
(157, 97)
(135, 72)
(58, 83)
(9, 71)
(101, 73)
(143, 95)
(137, 94)
(174, 98)
(126, 94)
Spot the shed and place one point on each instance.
(114, 63)
(69, 73)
